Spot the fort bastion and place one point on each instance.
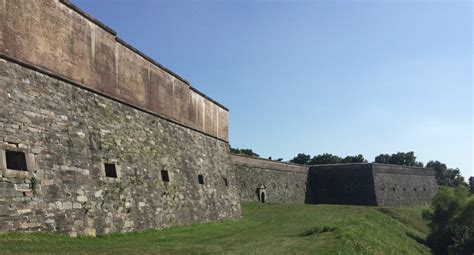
(96, 137)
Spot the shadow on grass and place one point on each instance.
(417, 238)
(316, 230)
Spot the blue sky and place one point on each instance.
(343, 77)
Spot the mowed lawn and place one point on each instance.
(263, 229)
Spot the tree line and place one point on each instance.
(400, 158)
(326, 158)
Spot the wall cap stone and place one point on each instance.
(379, 168)
(242, 160)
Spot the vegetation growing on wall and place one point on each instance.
(34, 185)
(451, 221)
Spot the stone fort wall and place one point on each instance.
(371, 184)
(341, 184)
(96, 137)
(403, 186)
(68, 134)
(281, 182)
(57, 36)
(350, 184)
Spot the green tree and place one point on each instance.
(446, 176)
(383, 159)
(301, 158)
(471, 185)
(451, 221)
(325, 158)
(400, 158)
(354, 159)
(245, 152)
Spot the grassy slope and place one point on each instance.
(264, 229)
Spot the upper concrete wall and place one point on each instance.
(57, 36)
(398, 169)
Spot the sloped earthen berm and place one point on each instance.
(96, 137)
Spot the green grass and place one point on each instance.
(263, 229)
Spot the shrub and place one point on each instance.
(451, 221)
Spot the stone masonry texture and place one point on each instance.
(72, 132)
(341, 184)
(403, 186)
(282, 182)
(370, 184)
(350, 184)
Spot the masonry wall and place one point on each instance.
(59, 37)
(68, 133)
(282, 182)
(350, 184)
(371, 184)
(403, 186)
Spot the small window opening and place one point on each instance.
(226, 183)
(165, 176)
(424, 189)
(16, 160)
(393, 188)
(110, 170)
(414, 189)
(404, 189)
(201, 179)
